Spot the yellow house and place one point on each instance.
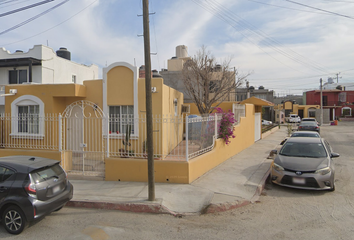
(98, 128)
(289, 107)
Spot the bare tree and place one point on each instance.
(208, 82)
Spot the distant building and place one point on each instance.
(340, 103)
(297, 98)
(41, 65)
(330, 84)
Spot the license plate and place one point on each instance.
(299, 180)
(56, 189)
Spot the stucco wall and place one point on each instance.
(128, 169)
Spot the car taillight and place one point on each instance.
(300, 127)
(30, 189)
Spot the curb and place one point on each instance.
(128, 207)
(213, 208)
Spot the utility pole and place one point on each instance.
(321, 120)
(149, 129)
(337, 76)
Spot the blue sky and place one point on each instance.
(287, 47)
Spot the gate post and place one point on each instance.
(60, 133)
(107, 131)
(187, 138)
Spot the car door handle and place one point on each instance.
(3, 189)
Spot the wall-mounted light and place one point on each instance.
(153, 89)
(12, 92)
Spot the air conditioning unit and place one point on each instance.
(186, 109)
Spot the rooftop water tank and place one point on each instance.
(64, 53)
(182, 51)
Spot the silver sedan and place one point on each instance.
(305, 163)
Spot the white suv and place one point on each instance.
(294, 118)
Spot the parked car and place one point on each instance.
(308, 126)
(30, 188)
(293, 118)
(266, 122)
(305, 134)
(310, 120)
(302, 134)
(306, 163)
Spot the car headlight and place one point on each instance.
(323, 171)
(277, 167)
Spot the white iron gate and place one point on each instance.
(83, 139)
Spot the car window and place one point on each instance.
(42, 175)
(310, 150)
(329, 148)
(304, 135)
(5, 173)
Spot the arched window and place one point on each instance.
(27, 113)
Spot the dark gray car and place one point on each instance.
(308, 126)
(30, 188)
(304, 162)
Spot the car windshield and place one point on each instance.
(311, 150)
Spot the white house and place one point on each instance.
(41, 65)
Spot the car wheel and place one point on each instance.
(14, 220)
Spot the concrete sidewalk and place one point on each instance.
(236, 182)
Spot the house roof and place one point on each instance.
(257, 102)
(18, 62)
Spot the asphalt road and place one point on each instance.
(281, 213)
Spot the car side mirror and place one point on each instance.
(272, 153)
(334, 155)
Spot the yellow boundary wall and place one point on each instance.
(128, 169)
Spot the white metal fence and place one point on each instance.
(91, 138)
(30, 131)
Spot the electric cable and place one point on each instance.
(222, 11)
(25, 8)
(33, 18)
(53, 26)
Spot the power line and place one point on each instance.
(33, 18)
(25, 8)
(232, 19)
(319, 9)
(54, 25)
(295, 9)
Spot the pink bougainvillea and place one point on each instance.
(226, 128)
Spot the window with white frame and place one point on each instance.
(346, 111)
(27, 113)
(312, 113)
(28, 119)
(120, 117)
